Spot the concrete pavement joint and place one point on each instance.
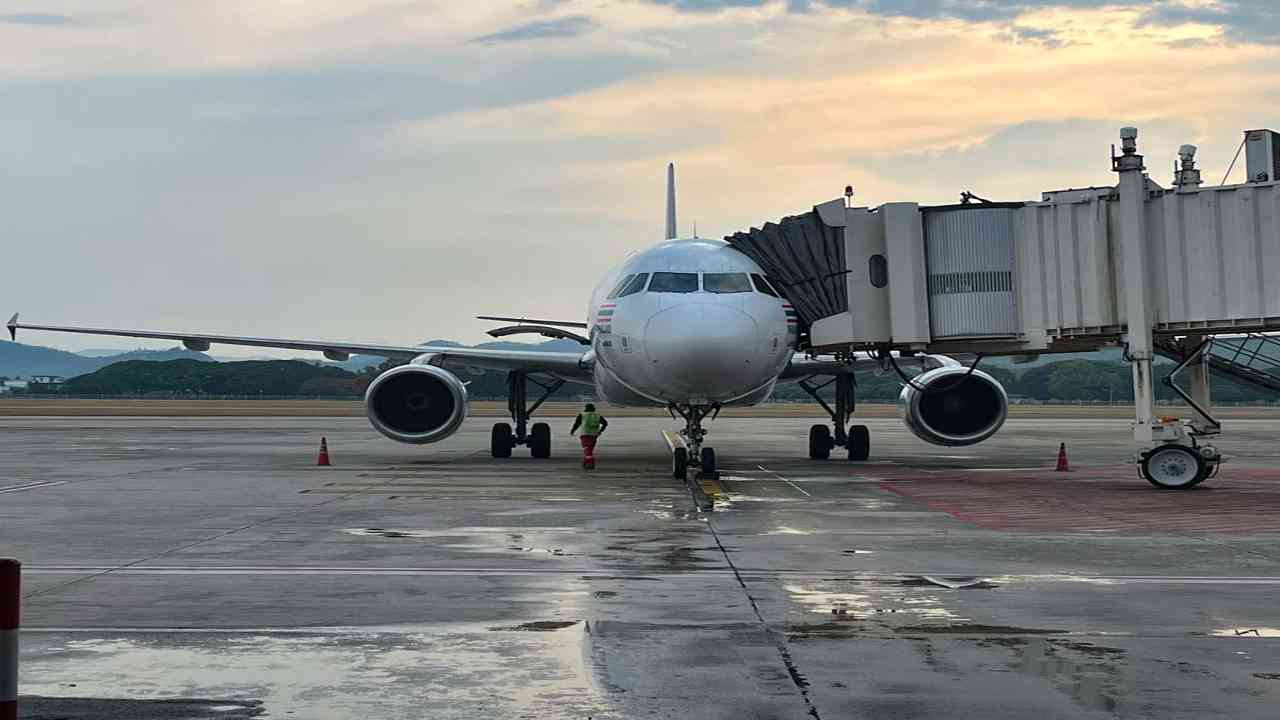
(779, 639)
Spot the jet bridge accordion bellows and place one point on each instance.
(804, 257)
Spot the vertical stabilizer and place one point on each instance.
(671, 201)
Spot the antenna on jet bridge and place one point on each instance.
(671, 201)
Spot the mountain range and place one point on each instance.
(19, 360)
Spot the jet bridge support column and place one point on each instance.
(1175, 462)
(1137, 296)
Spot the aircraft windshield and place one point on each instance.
(763, 285)
(635, 286)
(726, 282)
(620, 286)
(674, 282)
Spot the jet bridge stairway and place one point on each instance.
(1252, 359)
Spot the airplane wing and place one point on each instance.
(573, 366)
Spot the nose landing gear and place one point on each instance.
(538, 437)
(693, 453)
(822, 439)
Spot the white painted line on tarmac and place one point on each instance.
(802, 490)
(31, 486)
(621, 574)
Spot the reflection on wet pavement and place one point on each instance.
(525, 670)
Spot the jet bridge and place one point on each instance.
(1189, 272)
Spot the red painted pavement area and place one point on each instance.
(1100, 501)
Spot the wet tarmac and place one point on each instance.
(195, 568)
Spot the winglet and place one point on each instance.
(13, 327)
(671, 201)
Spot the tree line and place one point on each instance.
(1063, 381)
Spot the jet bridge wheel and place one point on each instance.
(859, 442)
(540, 440)
(820, 442)
(1174, 467)
(501, 440)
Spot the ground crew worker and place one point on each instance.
(592, 424)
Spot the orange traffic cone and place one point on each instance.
(1062, 459)
(323, 460)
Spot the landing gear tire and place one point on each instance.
(1174, 467)
(501, 440)
(859, 443)
(708, 469)
(680, 463)
(820, 442)
(540, 440)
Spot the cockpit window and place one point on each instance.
(763, 285)
(618, 289)
(726, 282)
(674, 282)
(635, 286)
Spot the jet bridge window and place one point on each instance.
(674, 282)
(635, 286)
(763, 285)
(621, 285)
(726, 283)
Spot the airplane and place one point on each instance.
(689, 324)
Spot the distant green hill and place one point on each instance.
(21, 360)
(193, 377)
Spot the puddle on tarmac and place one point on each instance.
(737, 497)
(380, 532)
(540, 626)
(1096, 681)
(869, 600)
(1028, 579)
(511, 542)
(1245, 631)
(458, 671)
(974, 629)
(783, 530)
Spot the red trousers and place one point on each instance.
(588, 448)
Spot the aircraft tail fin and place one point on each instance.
(671, 201)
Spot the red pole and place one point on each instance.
(10, 598)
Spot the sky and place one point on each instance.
(385, 170)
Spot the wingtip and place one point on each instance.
(13, 327)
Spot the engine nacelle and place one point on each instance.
(416, 403)
(953, 409)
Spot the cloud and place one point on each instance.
(564, 27)
(704, 6)
(1249, 20)
(1244, 20)
(1044, 36)
(44, 19)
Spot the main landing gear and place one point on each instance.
(538, 437)
(823, 439)
(693, 453)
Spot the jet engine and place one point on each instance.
(952, 406)
(416, 403)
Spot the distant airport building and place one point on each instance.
(45, 383)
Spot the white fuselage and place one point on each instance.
(695, 328)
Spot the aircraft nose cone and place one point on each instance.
(702, 350)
